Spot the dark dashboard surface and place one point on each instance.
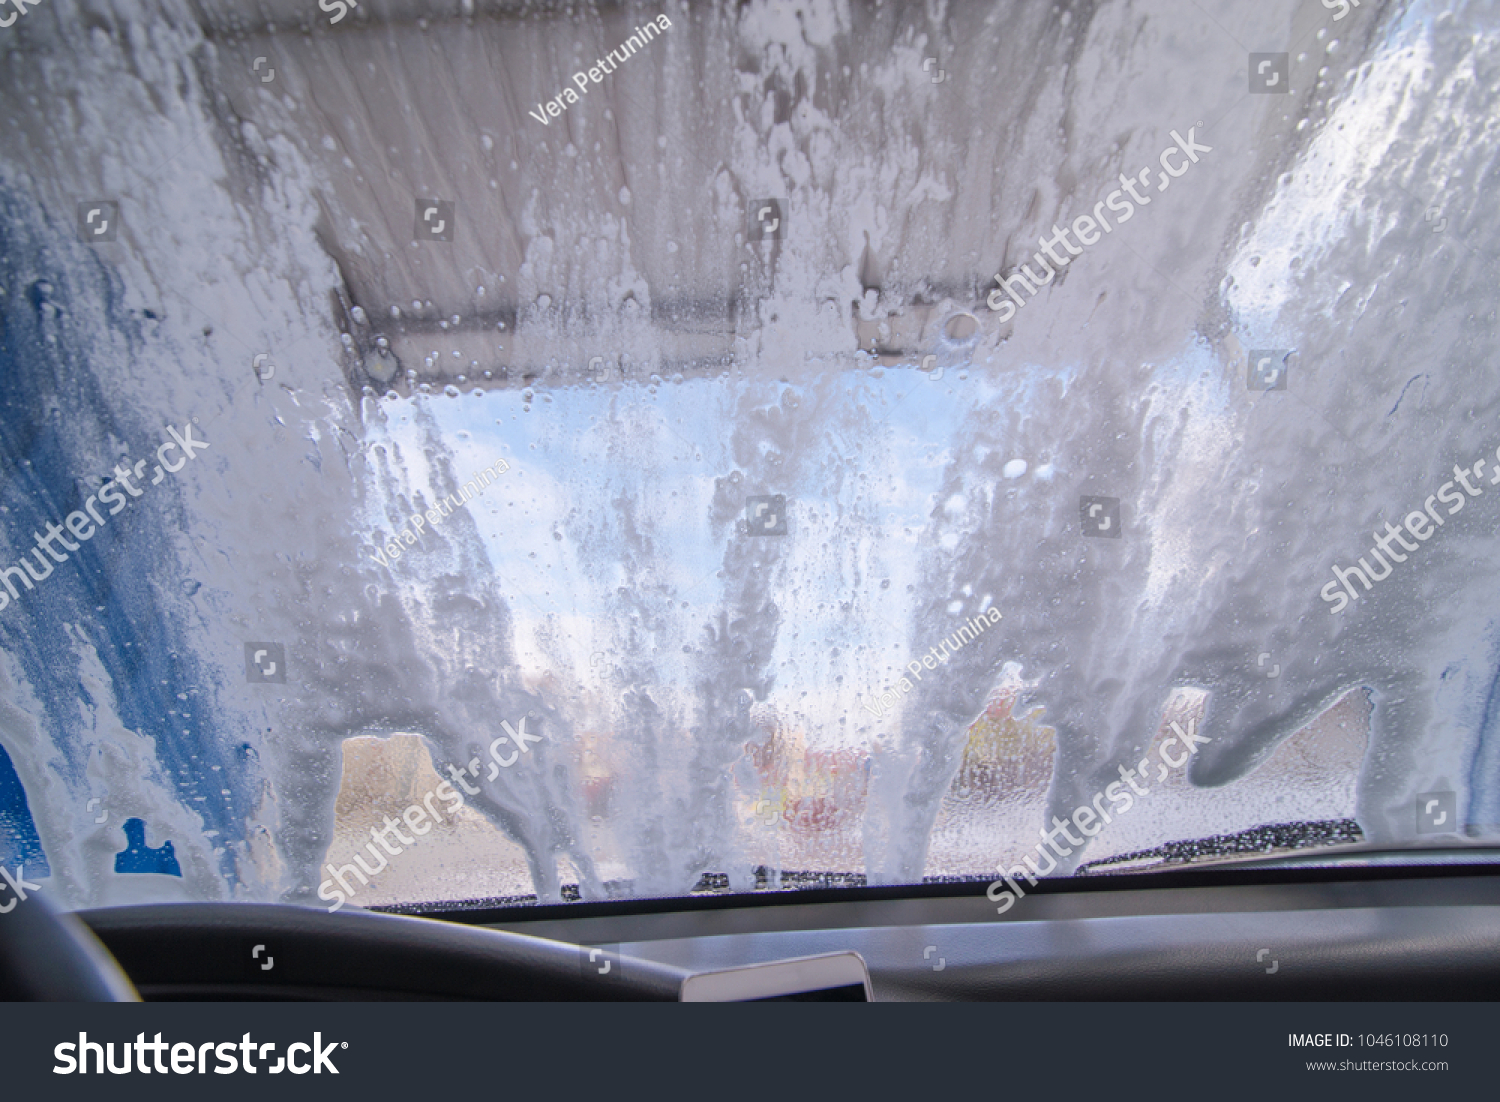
(1423, 934)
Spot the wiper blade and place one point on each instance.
(1334, 842)
(1257, 843)
(1368, 854)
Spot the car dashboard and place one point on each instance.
(1413, 933)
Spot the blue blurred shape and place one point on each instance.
(139, 857)
(19, 842)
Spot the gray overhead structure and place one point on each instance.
(906, 155)
(614, 241)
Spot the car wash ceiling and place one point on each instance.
(614, 242)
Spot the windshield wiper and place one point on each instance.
(1289, 845)
(1256, 843)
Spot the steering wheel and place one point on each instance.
(50, 956)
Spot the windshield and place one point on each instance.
(506, 452)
